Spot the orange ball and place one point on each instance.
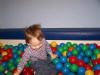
(70, 48)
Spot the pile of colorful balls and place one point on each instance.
(76, 59)
(9, 58)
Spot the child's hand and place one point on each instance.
(17, 72)
(53, 56)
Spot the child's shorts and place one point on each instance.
(44, 67)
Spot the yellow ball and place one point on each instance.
(89, 72)
(98, 55)
(64, 53)
(4, 53)
(53, 44)
(1, 45)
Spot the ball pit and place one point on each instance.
(73, 59)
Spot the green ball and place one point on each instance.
(6, 47)
(11, 61)
(11, 67)
(67, 65)
(93, 57)
(14, 50)
(2, 68)
(65, 48)
(73, 68)
(84, 48)
(68, 44)
(90, 64)
(96, 51)
(20, 45)
(74, 45)
(9, 73)
(9, 64)
(56, 60)
(19, 52)
(0, 57)
(17, 60)
(10, 46)
(88, 53)
(75, 52)
(60, 49)
(27, 65)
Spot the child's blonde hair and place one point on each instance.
(33, 31)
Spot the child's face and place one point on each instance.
(35, 43)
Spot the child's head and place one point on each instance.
(33, 33)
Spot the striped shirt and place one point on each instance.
(34, 55)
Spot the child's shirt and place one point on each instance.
(34, 55)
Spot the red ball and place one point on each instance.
(87, 44)
(14, 70)
(98, 61)
(21, 54)
(10, 55)
(72, 59)
(24, 70)
(95, 62)
(0, 61)
(53, 49)
(30, 70)
(97, 72)
(1, 50)
(87, 67)
(80, 63)
(27, 73)
(5, 58)
(96, 45)
(9, 50)
(59, 74)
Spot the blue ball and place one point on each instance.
(15, 55)
(57, 53)
(81, 71)
(82, 54)
(4, 64)
(67, 65)
(92, 47)
(62, 44)
(81, 44)
(79, 57)
(86, 60)
(58, 66)
(78, 48)
(97, 67)
(65, 70)
(57, 46)
(15, 47)
(71, 73)
(69, 53)
(63, 59)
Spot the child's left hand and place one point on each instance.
(53, 56)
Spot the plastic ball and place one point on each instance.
(73, 68)
(53, 44)
(62, 44)
(5, 58)
(97, 67)
(81, 71)
(80, 63)
(98, 55)
(88, 53)
(74, 45)
(4, 53)
(63, 59)
(56, 60)
(8, 50)
(84, 48)
(68, 44)
(96, 51)
(71, 73)
(57, 53)
(82, 54)
(97, 72)
(60, 49)
(81, 44)
(17, 60)
(19, 52)
(59, 66)
(65, 48)
(93, 57)
(15, 55)
(2, 68)
(9, 73)
(53, 49)
(72, 59)
(79, 57)
(78, 48)
(92, 46)
(70, 49)
(86, 59)
(64, 53)
(75, 52)
(89, 72)
(69, 53)
(87, 67)
(95, 62)
(65, 70)
(67, 65)
(10, 55)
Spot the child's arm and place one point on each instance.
(48, 49)
(23, 61)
